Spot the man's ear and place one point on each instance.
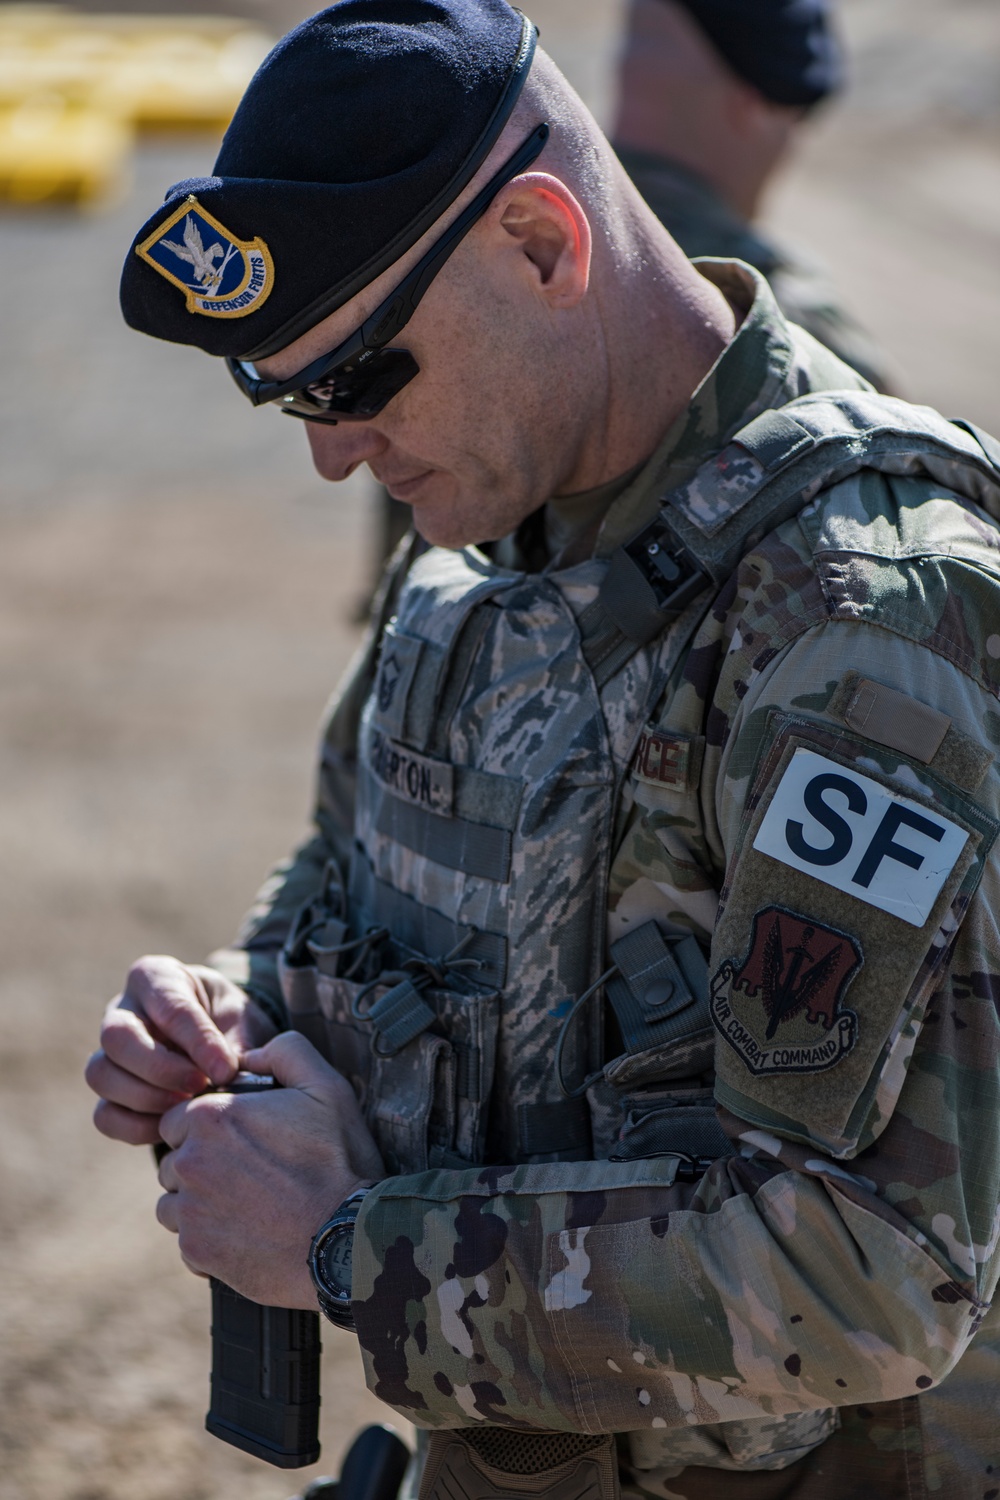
(551, 230)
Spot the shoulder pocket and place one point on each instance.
(854, 869)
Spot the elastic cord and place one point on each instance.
(577, 1006)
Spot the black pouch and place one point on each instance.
(657, 993)
(671, 1122)
(491, 1463)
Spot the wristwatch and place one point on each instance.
(330, 1261)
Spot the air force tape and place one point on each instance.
(221, 276)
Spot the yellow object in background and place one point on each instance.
(75, 87)
(54, 152)
(184, 80)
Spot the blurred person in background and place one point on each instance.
(711, 95)
(635, 993)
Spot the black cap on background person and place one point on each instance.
(712, 96)
(358, 131)
(788, 49)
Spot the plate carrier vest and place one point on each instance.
(449, 981)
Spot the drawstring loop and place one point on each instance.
(418, 975)
(363, 944)
(575, 1009)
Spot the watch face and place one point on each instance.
(334, 1260)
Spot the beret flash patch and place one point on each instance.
(220, 275)
(781, 1008)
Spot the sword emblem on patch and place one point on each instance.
(220, 275)
(781, 1008)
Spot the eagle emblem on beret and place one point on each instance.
(220, 275)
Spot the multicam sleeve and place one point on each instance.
(848, 1251)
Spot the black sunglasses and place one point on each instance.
(361, 375)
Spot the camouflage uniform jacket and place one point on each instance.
(815, 799)
(702, 224)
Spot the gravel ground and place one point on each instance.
(176, 594)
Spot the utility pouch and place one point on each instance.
(420, 1058)
(493, 1463)
(662, 1122)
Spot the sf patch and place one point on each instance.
(860, 837)
(220, 275)
(781, 1009)
(841, 854)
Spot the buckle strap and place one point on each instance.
(650, 582)
(656, 986)
(399, 1016)
(658, 989)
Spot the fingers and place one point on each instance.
(166, 1212)
(125, 1125)
(166, 1172)
(160, 1033)
(175, 1123)
(249, 1176)
(170, 1209)
(126, 1040)
(238, 1016)
(296, 1064)
(175, 1000)
(126, 1089)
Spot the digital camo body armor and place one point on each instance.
(458, 980)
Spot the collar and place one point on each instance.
(753, 372)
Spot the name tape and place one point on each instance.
(412, 777)
(856, 835)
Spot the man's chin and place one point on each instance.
(443, 520)
(444, 515)
(441, 531)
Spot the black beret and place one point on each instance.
(357, 132)
(786, 48)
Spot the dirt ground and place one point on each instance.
(176, 593)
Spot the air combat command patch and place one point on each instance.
(781, 1008)
(221, 276)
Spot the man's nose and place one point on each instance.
(337, 450)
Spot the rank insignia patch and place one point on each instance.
(388, 677)
(221, 276)
(781, 1008)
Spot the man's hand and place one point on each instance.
(174, 1030)
(251, 1177)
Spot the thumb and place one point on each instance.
(293, 1062)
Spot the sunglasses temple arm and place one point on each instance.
(382, 327)
(414, 286)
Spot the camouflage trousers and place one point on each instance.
(877, 1454)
